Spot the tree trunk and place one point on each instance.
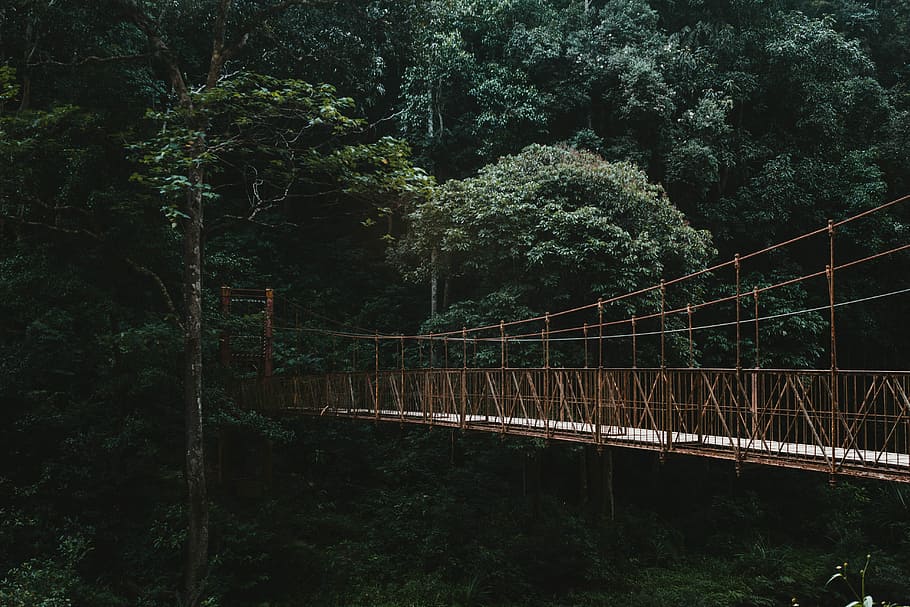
(197, 502)
(607, 479)
(434, 282)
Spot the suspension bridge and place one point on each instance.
(585, 375)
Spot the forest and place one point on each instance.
(420, 166)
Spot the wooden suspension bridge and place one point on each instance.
(843, 422)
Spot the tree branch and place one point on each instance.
(90, 60)
(260, 17)
(229, 220)
(162, 288)
(135, 15)
(216, 64)
(169, 302)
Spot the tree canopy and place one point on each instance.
(554, 226)
(512, 157)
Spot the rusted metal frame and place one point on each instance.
(675, 404)
(801, 400)
(755, 300)
(371, 389)
(598, 414)
(835, 405)
(694, 401)
(620, 403)
(497, 403)
(404, 386)
(502, 374)
(794, 416)
(451, 393)
(691, 343)
(397, 395)
(563, 399)
(636, 388)
(482, 402)
(755, 376)
(634, 345)
(541, 411)
(712, 398)
(350, 379)
(664, 379)
(900, 399)
(736, 265)
(548, 396)
(792, 411)
(478, 391)
(516, 399)
(798, 464)
(432, 379)
(546, 341)
(838, 421)
(464, 376)
(376, 376)
(521, 401)
(861, 415)
(781, 391)
(329, 400)
(588, 413)
(740, 395)
(585, 340)
(647, 400)
(426, 397)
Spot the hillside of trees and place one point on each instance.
(424, 165)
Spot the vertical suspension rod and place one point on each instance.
(691, 348)
(835, 405)
(736, 265)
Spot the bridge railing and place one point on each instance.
(848, 422)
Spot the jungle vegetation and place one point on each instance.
(408, 165)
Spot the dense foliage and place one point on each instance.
(570, 149)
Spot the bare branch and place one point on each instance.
(228, 220)
(169, 302)
(373, 125)
(165, 294)
(54, 228)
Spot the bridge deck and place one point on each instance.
(853, 423)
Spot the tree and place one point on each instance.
(546, 229)
(278, 138)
